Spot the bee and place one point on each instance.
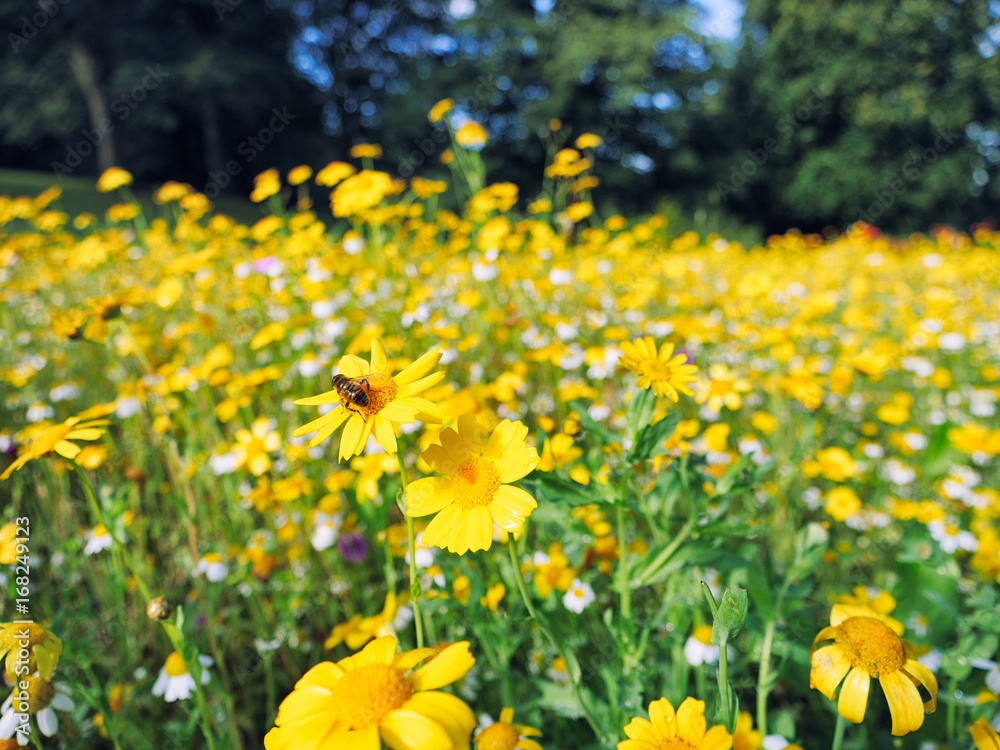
(353, 390)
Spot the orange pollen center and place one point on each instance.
(870, 644)
(497, 736)
(382, 390)
(676, 744)
(659, 370)
(12, 637)
(475, 483)
(366, 695)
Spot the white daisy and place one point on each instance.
(578, 597)
(48, 696)
(175, 682)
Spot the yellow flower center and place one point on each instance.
(676, 744)
(475, 483)
(498, 736)
(175, 665)
(382, 390)
(11, 636)
(657, 370)
(368, 694)
(39, 693)
(870, 644)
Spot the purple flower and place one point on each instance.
(352, 547)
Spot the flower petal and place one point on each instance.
(419, 368)
(411, 389)
(691, 722)
(510, 507)
(923, 676)
(439, 531)
(905, 704)
(350, 439)
(829, 665)
(448, 710)
(717, 738)
(428, 495)
(330, 397)
(353, 366)
(408, 730)
(664, 718)
(384, 433)
(464, 440)
(448, 666)
(480, 529)
(854, 695)
(337, 418)
(379, 357)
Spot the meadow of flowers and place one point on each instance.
(585, 481)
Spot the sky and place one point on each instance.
(722, 19)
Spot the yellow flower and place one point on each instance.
(867, 645)
(881, 601)
(58, 438)
(8, 543)
(377, 695)
(588, 140)
(424, 189)
(666, 374)
(985, 736)
(170, 191)
(366, 150)
(360, 192)
(392, 400)
(842, 503)
(299, 174)
(122, 212)
(684, 729)
(540, 206)
(333, 173)
(44, 648)
(113, 178)
(833, 463)
(722, 388)
(472, 135)
(357, 631)
(745, 737)
(474, 493)
(253, 445)
(505, 735)
(266, 184)
(579, 211)
(494, 595)
(439, 110)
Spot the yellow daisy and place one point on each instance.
(474, 492)
(391, 401)
(666, 374)
(866, 645)
(505, 735)
(684, 729)
(58, 438)
(377, 696)
(44, 648)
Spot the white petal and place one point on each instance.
(48, 722)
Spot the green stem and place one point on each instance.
(669, 550)
(556, 643)
(764, 678)
(623, 584)
(951, 711)
(838, 733)
(414, 581)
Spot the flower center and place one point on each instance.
(497, 736)
(871, 645)
(676, 744)
(475, 483)
(382, 390)
(659, 371)
(366, 695)
(38, 694)
(12, 635)
(175, 665)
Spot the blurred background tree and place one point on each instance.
(805, 114)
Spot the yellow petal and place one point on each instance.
(510, 507)
(717, 738)
(350, 439)
(526, 744)
(854, 695)
(408, 730)
(448, 666)
(662, 714)
(412, 389)
(439, 530)
(465, 442)
(380, 651)
(336, 418)
(984, 735)
(480, 529)
(85, 434)
(428, 495)
(397, 411)
(905, 705)
(506, 715)
(829, 665)
(353, 366)
(67, 449)
(427, 411)
(419, 368)
(359, 739)
(642, 730)
(923, 676)
(519, 461)
(691, 722)
(447, 710)
(384, 433)
(379, 357)
(440, 461)
(330, 397)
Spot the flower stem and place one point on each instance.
(764, 677)
(838, 733)
(412, 539)
(623, 588)
(556, 643)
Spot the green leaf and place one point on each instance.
(555, 489)
(727, 708)
(590, 424)
(734, 472)
(640, 412)
(758, 584)
(731, 617)
(652, 437)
